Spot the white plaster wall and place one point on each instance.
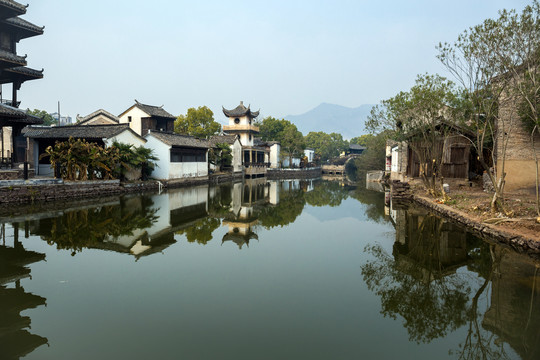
(310, 154)
(274, 192)
(188, 169)
(395, 159)
(295, 161)
(237, 156)
(188, 196)
(126, 137)
(274, 155)
(162, 152)
(244, 120)
(136, 115)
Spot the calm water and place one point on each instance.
(259, 270)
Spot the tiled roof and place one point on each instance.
(13, 5)
(11, 57)
(82, 120)
(26, 71)
(23, 24)
(156, 111)
(17, 115)
(259, 142)
(173, 139)
(222, 139)
(76, 131)
(240, 110)
(356, 147)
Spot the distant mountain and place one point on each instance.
(330, 118)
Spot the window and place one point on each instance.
(249, 137)
(188, 155)
(129, 118)
(237, 121)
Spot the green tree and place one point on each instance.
(374, 157)
(271, 129)
(292, 141)
(221, 156)
(362, 139)
(327, 146)
(197, 122)
(420, 116)
(42, 114)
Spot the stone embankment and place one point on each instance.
(305, 173)
(488, 232)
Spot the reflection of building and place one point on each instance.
(247, 197)
(514, 312)
(427, 246)
(15, 340)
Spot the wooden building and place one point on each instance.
(13, 70)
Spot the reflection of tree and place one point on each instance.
(326, 193)
(430, 308)
(201, 231)
(291, 204)
(79, 229)
(419, 282)
(373, 200)
(480, 344)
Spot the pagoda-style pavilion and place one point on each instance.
(241, 123)
(13, 71)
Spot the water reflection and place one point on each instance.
(15, 339)
(436, 279)
(424, 283)
(143, 225)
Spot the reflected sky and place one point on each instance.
(263, 270)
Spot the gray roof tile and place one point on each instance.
(156, 111)
(240, 110)
(173, 139)
(90, 132)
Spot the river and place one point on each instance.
(259, 270)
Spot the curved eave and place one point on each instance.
(19, 74)
(8, 59)
(11, 8)
(22, 28)
(240, 131)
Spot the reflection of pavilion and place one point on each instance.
(15, 340)
(246, 198)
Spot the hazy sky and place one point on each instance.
(284, 57)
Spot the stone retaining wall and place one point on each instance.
(486, 231)
(277, 174)
(15, 174)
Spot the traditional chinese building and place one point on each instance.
(241, 122)
(143, 118)
(13, 70)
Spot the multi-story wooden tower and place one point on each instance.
(13, 70)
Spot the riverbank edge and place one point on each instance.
(30, 192)
(487, 232)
